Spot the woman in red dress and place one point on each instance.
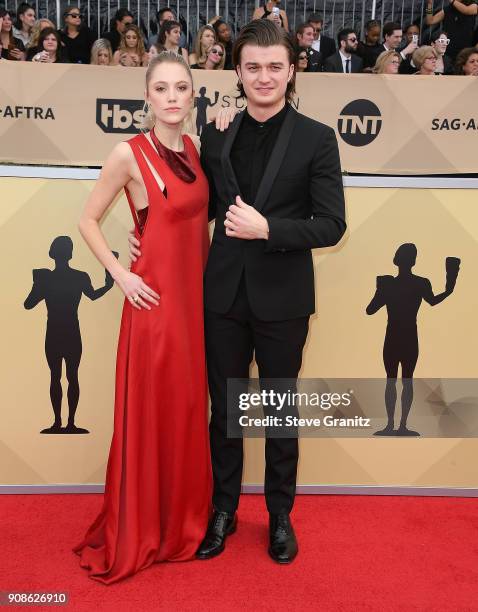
(158, 481)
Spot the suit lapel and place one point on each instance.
(275, 159)
(232, 187)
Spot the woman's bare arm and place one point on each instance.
(114, 176)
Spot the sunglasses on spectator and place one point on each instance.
(444, 41)
(352, 40)
(217, 52)
(78, 15)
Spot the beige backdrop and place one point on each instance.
(343, 341)
(409, 106)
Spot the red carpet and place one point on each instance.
(356, 553)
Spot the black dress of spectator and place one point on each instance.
(370, 49)
(458, 21)
(304, 35)
(122, 18)
(76, 37)
(224, 35)
(12, 48)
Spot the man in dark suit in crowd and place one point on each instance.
(392, 37)
(345, 60)
(304, 39)
(322, 44)
(275, 193)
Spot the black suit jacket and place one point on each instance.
(314, 60)
(334, 63)
(327, 46)
(301, 196)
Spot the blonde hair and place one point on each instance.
(220, 65)
(199, 49)
(123, 48)
(102, 44)
(164, 57)
(36, 29)
(420, 54)
(384, 59)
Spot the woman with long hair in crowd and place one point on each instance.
(425, 60)
(215, 58)
(302, 61)
(12, 47)
(101, 53)
(131, 51)
(49, 49)
(22, 27)
(156, 503)
(76, 36)
(388, 62)
(467, 62)
(168, 39)
(203, 41)
(440, 41)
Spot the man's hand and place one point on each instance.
(133, 244)
(244, 221)
(410, 48)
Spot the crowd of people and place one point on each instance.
(447, 45)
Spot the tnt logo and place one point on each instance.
(119, 116)
(359, 123)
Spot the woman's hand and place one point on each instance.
(225, 117)
(137, 292)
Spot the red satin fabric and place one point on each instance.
(158, 480)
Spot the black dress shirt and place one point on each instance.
(251, 151)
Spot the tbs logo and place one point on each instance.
(359, 123)
(119, 116)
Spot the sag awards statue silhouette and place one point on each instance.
(402, 295)
(62, 289)
(202, 103)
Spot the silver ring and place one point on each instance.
(135, 299)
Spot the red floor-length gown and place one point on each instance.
(158, 480)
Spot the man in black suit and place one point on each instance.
(322, 44)
(345, 60)
(304, 39)
(392, 37)
(275, 193)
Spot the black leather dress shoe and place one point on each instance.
(282, 541)
(220, 526)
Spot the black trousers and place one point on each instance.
(231, 340)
